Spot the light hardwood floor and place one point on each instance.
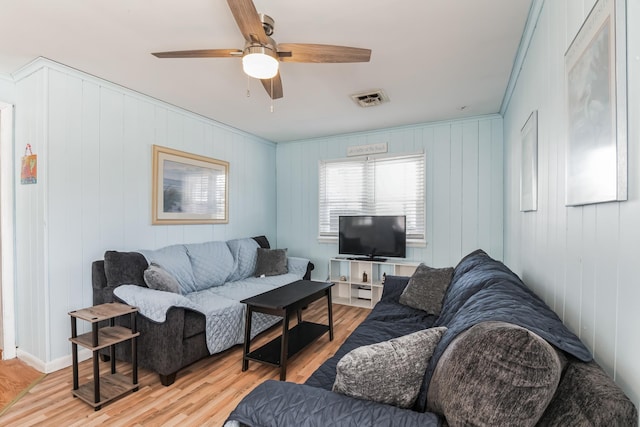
(203, 395)
(15, 378)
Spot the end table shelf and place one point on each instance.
(300, 336)
(108, 387)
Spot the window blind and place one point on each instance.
(373, 186)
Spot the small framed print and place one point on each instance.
(529, 164)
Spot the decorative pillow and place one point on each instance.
(388, 372)
(124, 268)
(494, 374)
(271, 262)
(426, 288)
(159, 279)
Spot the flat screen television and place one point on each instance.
(373, 237)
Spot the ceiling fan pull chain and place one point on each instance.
(271, 95)
(248, 89)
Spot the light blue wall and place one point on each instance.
(93, 140)
(7, 90)
(464, 188)
(582, 260)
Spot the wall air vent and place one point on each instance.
(370, 98)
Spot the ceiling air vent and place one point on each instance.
(370, 98)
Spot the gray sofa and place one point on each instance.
(505, 359)
(203, 315)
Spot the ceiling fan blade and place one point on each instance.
(275, 91)
(303, 52)
(203, 53)
(246, 16)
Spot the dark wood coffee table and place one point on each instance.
(283, 302)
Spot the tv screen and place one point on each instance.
(373, 236)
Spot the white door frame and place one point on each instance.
(7, 222)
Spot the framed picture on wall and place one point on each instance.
(188, 188)
(595, 71)
(529, 164)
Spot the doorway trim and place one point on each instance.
(7, 223)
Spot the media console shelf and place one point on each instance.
(351, 289)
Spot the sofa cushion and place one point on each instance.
(124, 268)
(282, 403)
(159, 279)
(271, 262)
(495, 373)
(588, 396)
(245, 256)
(388, 372)
(175, 260)
(427, 288)
(211, 262)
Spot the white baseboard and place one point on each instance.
(54, 365)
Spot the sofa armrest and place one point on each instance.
(586, 395)
(101, 291)
(310, 267)
(278, 403)
(299, 266)
(159, 344)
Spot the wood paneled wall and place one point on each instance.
(93, 140)
(582, 260)
(7, 89)
(464, 188)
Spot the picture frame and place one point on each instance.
(188, 188)
(529, 164)
(596, 81)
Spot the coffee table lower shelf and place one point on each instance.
(299, 337)
(112, 386)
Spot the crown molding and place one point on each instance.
(523, 48)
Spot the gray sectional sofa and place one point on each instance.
(188, 296)
(504, 359)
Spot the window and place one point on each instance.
(373, 186)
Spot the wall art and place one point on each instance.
(189, 188)
(529, 164)
(595, 68)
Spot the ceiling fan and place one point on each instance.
(261, 54)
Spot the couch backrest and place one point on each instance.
(212, 263)
(174, 259)
(120, 268)
(245, 256)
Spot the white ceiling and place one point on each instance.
(431, 57)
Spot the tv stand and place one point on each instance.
(370, 259)
(347, 274)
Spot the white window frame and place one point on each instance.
(368, 205)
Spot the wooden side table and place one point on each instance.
(115, 384)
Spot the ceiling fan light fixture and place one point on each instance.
(260, 62)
